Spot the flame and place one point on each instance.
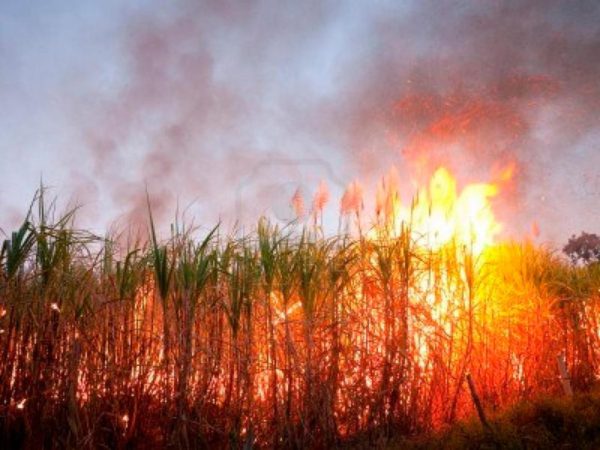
(439, 214)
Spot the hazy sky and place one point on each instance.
(230, 106)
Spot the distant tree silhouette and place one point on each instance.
(584, 248)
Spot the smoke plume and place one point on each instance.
(213, 92)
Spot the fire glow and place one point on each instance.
(439, 214)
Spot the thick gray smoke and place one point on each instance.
(212, 93)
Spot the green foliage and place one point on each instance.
(16, 249)
(163, 266)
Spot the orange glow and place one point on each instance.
(440, 213)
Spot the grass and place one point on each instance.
(284, 339)
(540, 423)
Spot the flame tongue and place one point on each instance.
(441, 214)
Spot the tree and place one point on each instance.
(584, 248)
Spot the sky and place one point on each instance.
(221, 110)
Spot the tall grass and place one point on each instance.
(275, 338)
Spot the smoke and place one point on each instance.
(473, 87)
(201, 103)
(209, 91)
(156, 131)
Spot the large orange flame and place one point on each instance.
(440, 213)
